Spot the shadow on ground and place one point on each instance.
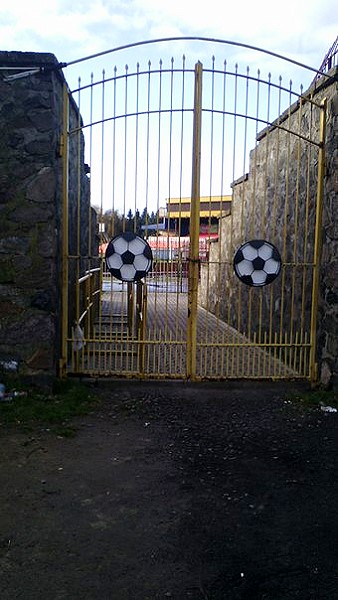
(218, 492)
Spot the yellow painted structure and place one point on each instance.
(210, 206)
(176, 323)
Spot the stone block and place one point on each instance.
(32, 214)
(9, 310)
(43, 120)
(325, 375)
(31, 327)
(40, 147)
(332, 344)
(42, 300)
(332, 297)
(7, 271)
(42, 188)
(41, 359)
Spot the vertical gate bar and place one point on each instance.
(78, 288)
(307, 354)
(206, 256)
(90, 222)
(287, 203)
(313, 366)
(141, 322)
(130, 309)
(194, 227)
(296, 360)
(306, 257)
(221, 253)
(137, 94)
(296, 257)
(64, 227)
(182, 252)
(114, 157)
(143, 329)
(138, 319)
(125, 162)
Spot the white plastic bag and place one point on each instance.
(78, 338)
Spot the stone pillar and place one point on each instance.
(30, 210)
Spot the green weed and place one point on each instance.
(54, 411)
(317, 397)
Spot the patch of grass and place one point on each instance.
(317, 397)
(54, 411)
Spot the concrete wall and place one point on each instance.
(31, 210)
(276, 201)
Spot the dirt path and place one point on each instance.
(218, 492)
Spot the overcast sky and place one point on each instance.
(302, 29)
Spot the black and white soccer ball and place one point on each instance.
(128, 257)
(257, 263)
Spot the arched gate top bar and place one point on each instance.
(194, 39)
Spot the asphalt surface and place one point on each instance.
(210, 491)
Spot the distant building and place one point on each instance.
(172, 241)
(212, 208)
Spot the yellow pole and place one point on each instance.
(317, 247)
(64, 265)
(193, 275)
(130, 309)
(143, 327)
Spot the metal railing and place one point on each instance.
(155, 133)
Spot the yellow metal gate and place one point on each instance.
(198, 160)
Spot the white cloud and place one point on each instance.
(37, 26)
(301, 29)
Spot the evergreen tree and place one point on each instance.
(113, 222)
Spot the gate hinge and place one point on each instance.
(61, 145)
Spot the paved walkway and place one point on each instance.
(222, 352)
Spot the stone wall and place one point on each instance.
(328, 303)
(276, 201)
(31, 209)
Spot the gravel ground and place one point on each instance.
(173, 490)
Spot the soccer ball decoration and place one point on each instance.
(257, 263)
(128, 257)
